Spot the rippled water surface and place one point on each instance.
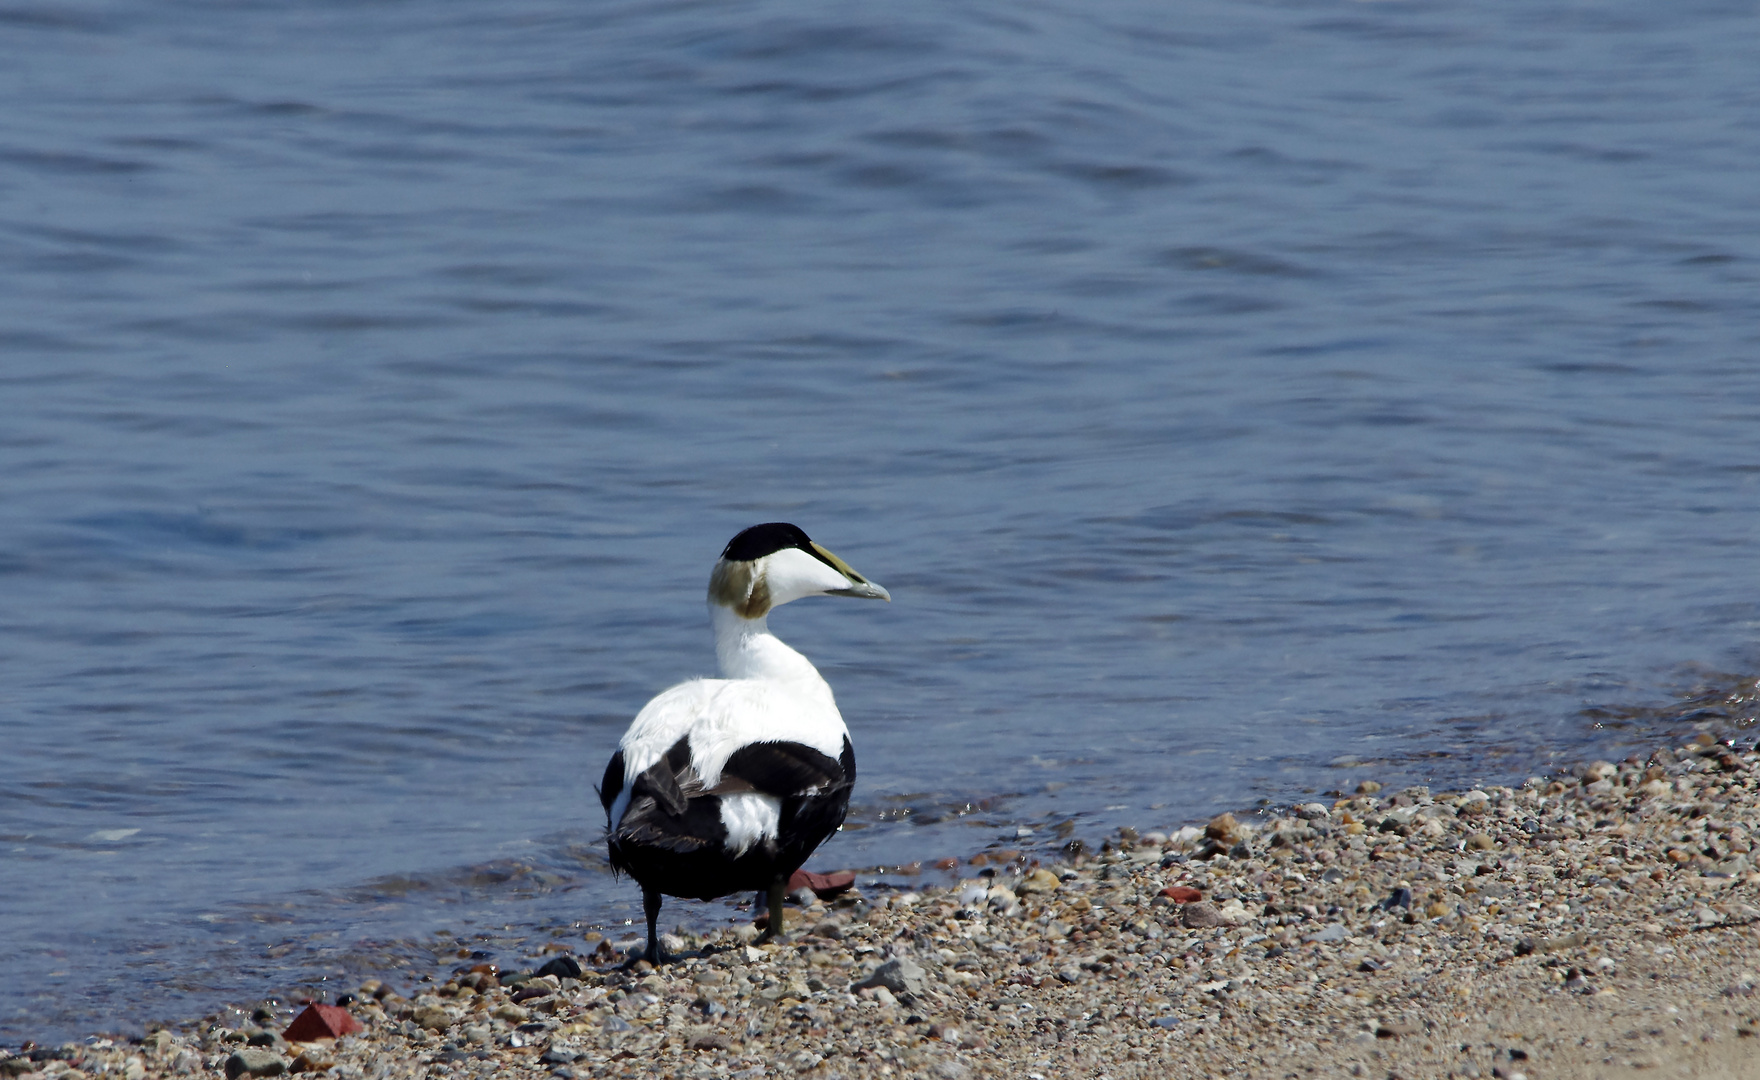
(1229, 394)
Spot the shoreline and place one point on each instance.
(1605, 923)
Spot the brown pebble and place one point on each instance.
(824, 886)
(321, 1022)
(1481, 842)
(1368, 787)
(1223, 829)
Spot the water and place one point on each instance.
(1229, 395)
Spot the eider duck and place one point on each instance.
(726, 785)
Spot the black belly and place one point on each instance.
(674, 843)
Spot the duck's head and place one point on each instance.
(768, 565)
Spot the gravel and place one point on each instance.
(1600, 924)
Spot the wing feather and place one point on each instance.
(782, 769)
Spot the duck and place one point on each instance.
(728, 785)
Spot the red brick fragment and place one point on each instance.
(1182, 894)
(321, 1022)
(824, 886)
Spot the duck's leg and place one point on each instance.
(774, 931)
(651, 908)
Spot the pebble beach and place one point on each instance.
(1604, 923)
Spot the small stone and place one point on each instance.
(254, 1061)
(900, 975)
(563, 966)
(1395, 1029)
(824, 886)
(321, 1022)
(435, 1018)
(1399, 898)
(1224, 829)
(1368, 787)
(1567, 941)
(513, 1014)
(1182, 894)
(1481, 842)
(1039, 881)
(1332, 932)
(1200, 915)
(709, 1040)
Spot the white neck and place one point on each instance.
(748, 650)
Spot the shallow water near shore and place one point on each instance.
(1235, 405)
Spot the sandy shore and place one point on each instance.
(1599, 925)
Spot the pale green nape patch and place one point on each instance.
(739, 586)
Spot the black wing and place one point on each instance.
(612, 786)
(661, 812)
(782, 769)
